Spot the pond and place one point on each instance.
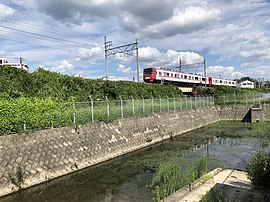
(228, 144)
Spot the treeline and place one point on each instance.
(15, 83)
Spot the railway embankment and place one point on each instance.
(31, 158)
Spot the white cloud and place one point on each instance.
(5, 11)
(63, 67)
(119, 78)
(170, 58)
(184, 21)
(123, 69)
(86, 54)
(228, 72)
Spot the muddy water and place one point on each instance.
(124, 178)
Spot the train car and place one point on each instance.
(162, 75)
(20, 65)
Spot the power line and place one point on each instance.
(48, 37)
(36, 44)
(26, 24)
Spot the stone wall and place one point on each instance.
(42, 155)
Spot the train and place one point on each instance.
(20, 65)
(182, 79)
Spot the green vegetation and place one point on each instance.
(258, 170)
(170, 176)
(45, 99)
(17, 83)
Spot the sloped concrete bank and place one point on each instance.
(29, 159)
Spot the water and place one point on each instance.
(125, 178)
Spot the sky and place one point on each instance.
(67, 36)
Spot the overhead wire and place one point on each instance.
(44, 36)
(49, 30)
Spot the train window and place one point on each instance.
(203, 79)
(171, 74)
(148, 71)
(166, 74)
(181, 76)
(160, 73)
(176, 75)
(189, 77)
(196, 78)
(220, 81)
(185, 76)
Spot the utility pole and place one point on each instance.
(137, 57)
(204, 66)
(120, 49)
(106, 45)
(21, 61)
(180, 65)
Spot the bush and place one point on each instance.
(258, 170)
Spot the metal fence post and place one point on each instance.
(133, 108)
(121, 105)
(152, 102)
(207, 101)
(186, 101)
(174, 103)
(92, 109)
(24, 125)
(190, 102)
(74, 114)
(180, 100)
(143, 110)
(160, 106)
(168, 104)
(108, 108)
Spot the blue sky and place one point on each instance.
(67, 36)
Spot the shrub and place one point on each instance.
(258, 170)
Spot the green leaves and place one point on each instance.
(15, 83)
(258, 170)
(23, 113)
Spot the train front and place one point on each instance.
(149, 75)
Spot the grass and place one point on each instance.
(171, 176)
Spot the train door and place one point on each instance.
(210, 81)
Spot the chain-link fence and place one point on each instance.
(247, 98)
(33, 117)
(107, 110)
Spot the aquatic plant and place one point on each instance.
(171, 176)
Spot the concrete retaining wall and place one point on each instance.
(43, 155)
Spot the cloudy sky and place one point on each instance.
(67, 36)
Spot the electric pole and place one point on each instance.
(106, 45)
(121, 49)
(204, 67)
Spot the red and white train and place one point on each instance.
(162, 75)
